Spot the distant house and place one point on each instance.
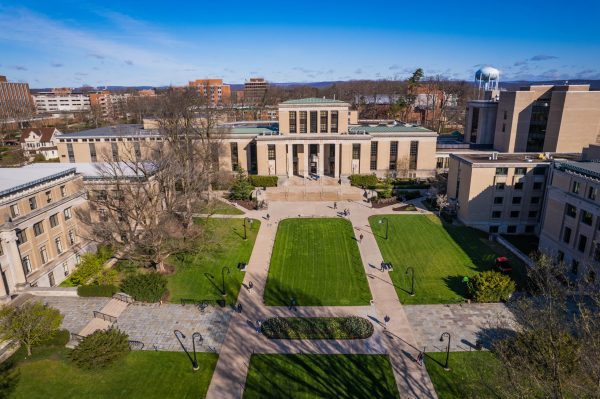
(40, 141)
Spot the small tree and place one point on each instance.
(442, 202)
(241, 188)
(100, 349)
(490, 286)
(30, 324)
(146, 287)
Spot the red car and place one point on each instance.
(502, 264)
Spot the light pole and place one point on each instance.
(198, 336)
(387, 226)
(447, 349)
(223, 280)
(412, 284)
(179, 334)
(245, 233)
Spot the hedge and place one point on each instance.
(145, 287)
(263, 181)
(90, 266)
(97, 290)
(100, 349)
(490, 286)
(368, 181)
(317, 328)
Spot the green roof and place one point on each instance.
(389, 129)
(313, 100)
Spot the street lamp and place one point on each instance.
(179, 334)
(447, 349)
(412, 284)
(387, 226)
(223, 280)
(245, 234)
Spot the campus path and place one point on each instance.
(396, 339)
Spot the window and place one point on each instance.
(373, 165)
(21, 237)
(70, 153)
(32, 203)
(496, 214)
(93, 155)
(54, 220)
(355, 151)
(51, 280)
(413, 155)
(293, 122)
(234, 156)
(511, 229)
(530, 228)
(514, 214)
(501, 171)
(59, 245)
(592, 193)
(26, 262)
(303, 118)
(72, 239)
(505, 113)
(500, 186)
(38, 228)
(567, 235)
(63, 191)
(101, 195)
(586, 217)
(498, 200)
(582, 243)
(519, 186)
(539, 171)
(516, 200)
(597, 252)
(65, 268)
(535, 200)
(115, 151)
(520, 171)
(271, 152)
(575, 187)
(67, 213)
(503, 127)
(323, 122)
(313, 121)
(43, 254)
(560, 256)
(48, 196)
(393, 155)
(493, 229)
(137, 150)
(334, 121)
(537, 185)
(532, 214)
(570, 210)
(102, 215)
(14, 210)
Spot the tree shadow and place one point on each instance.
(487, 336)
(9, 378)
(456, 284)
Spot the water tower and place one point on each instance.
(487, 78)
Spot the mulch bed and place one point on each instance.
(383, 203)
(250, 205)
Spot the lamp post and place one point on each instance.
(245, 233)
(387, 226)
(412, 283)
(196, 336)
(179, 334)
(447, 349)
(223, 280)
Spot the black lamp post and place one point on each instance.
(447, 350)
(387, 226)
(223, 280)
(179, 334)
(245, 234)
(412, 284)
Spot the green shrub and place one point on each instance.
(241, 189)
(97, 290)
(490, 286)
(317, 328)
(384, 193)
(91, 265)
(263, 181)
(100, 349)
(364, 181)
(408, 195)
(145, 287)
(106, 277)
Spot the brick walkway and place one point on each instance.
(77, 312)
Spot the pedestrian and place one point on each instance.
(382, 267)
(386, 319)
(250, 286)
(293, 303)
(268, 217)
(335, 205)
(258, 324)
(239, 308)
(361, 237)
(420, 359)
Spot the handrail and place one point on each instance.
(105, 317)
(76, 337)
(123, 297)
(136, 345)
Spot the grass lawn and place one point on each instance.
(320, 376)
(191, 279)
(440, 255)
(216, 207)
(141, 374)
(469, 377)
(317, 262)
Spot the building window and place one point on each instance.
(505, 113)
(43, 254)
(51, 280)
(271, 152)
(570, 210)
(537, 126)
(115, 152)
(530, 228)
(501, 171)
(496, 214)
(59, 246)
(567, 235)
(560, 256)
(26, 262)
(575, 187)
(334, 121)
(592, 193)
(72, 239)
(63, 191)
(14, 210)
(93, 155)
(373, 165)
(21, 236)
(586, 217)
(323, 122)
(582, 243)
(519, 186)
(38, 228)
(234, 156)
(514, 214)
(303, 123)
(414, 154)
(32, 203)
(393, 155)
(102, 215)
(493, 229)
(539, 171)
(48, 196)
(516, 200)
(70, 153)
(535, 200)
(537, 185)
(137, 150)
(293, 122)
(355, 151)
(520, 171)
(67, 213)
(65, 268)
(474, 125)
(500, 186)
(532, 214)
(498, 200)
(511, 229)
(54, 220)
(597, 252)
(503, 127)
(313, 121)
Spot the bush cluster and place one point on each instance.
(408, 195)
(364, 181)
(490, 286)
(100, 349)
(241, 188)
(145, 287)
(90, 267)
(317, 328)
(97, 290)
(263, 181)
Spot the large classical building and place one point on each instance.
(314, 137)
(536, 118)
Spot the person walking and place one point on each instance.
(335, 205)
(360, 238)
(420, 359)
(258, 325)
(385, 320)
(250, 286)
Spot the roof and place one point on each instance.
(399, 128)
(17, 179)
(129, 130)
(586, 168)
(251, 130)
(45, 133)
(486, 159)
(313, 100)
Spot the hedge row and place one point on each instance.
(97, 290)
(317, 328)
(263, 181)
(368, 181)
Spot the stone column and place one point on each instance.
(336, 172)
(290, 160)
(321, 159)
(306, 150)
(13, 268)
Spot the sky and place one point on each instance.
(64, 43)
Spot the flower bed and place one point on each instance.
(317, 328)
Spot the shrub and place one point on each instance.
(100, 349)
(408, 195)
(97, 290)
(263, 181)
(91, 265)
(106, 277)
(490, 286)
(146, 287)
(241, 189)
(317, 328)
(385, 193)
(368, 181)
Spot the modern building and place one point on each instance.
(536, 118)
(216, 93)
(255, 90)
(15, 100)
(39, 238)
(61, 100)
(40, 141)
(109, 104)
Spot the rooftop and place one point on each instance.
(112, 131)
(399, 128)
(586, 168)
(17, 179)
(517, 158)
(313, 100)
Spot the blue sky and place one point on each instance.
(70, 43)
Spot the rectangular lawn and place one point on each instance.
(441, 256)
(320, 376)
(317, 262)
(227, 247)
